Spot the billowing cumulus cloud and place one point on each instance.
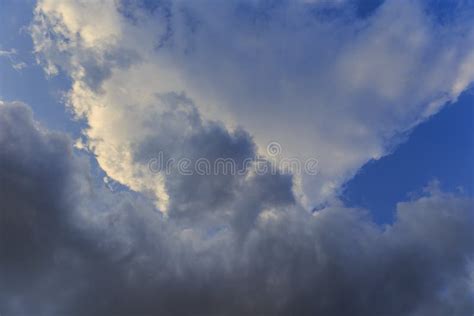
(70, 246)
(337, 81)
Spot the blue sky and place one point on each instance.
(440, 149)
(379, 93)
(30, 85)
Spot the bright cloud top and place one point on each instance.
(338, 88)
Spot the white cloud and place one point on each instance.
(337, 88)
(7, 53)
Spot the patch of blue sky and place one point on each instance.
(29, 83)
(441, 149)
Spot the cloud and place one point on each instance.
(70, 246)
(324, 81)
(11, 56)
(222, 79)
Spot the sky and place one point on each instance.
(145, 145)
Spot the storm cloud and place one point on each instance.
(71, 246)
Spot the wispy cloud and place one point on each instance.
(11, 55)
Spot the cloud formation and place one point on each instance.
(331, 80)
(70, 246)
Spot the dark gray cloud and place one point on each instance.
(228, 194)
(69, 246)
